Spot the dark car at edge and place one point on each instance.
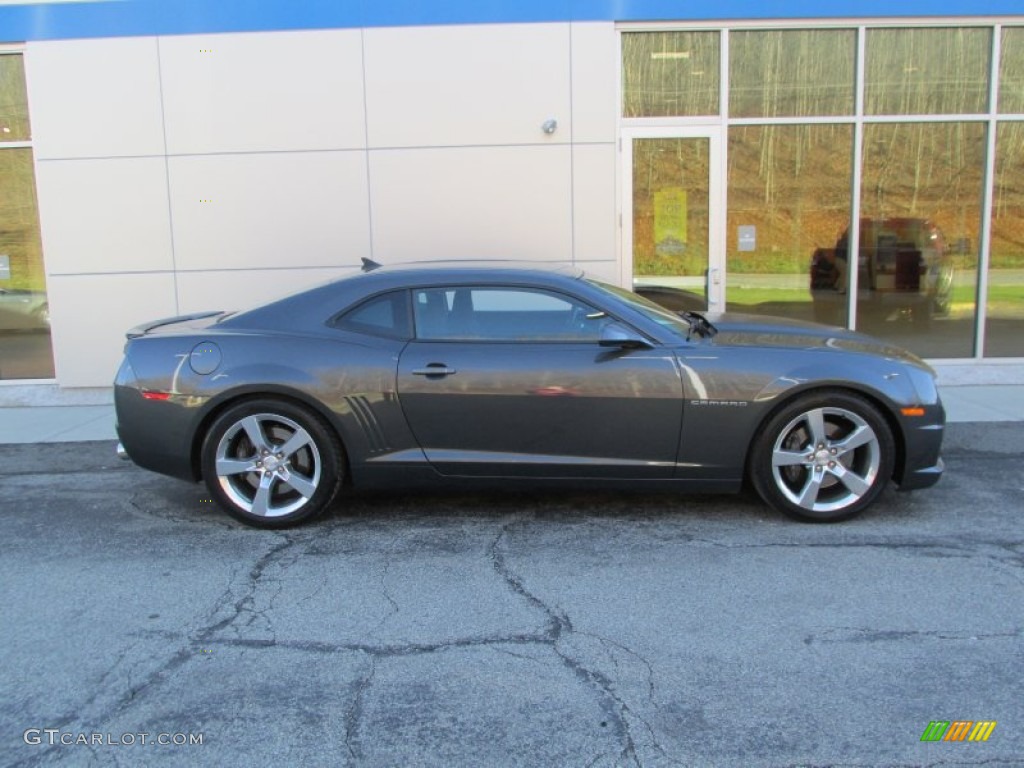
(498, 376)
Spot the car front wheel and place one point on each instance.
(824, 457)
(271, 463)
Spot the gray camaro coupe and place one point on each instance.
(513, 376)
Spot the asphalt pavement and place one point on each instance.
(577, 629)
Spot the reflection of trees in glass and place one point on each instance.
(1011, 71)
(1008, 200)
(19, 217)
(927, 71)
(666, 74)
(670, 163)
(791, 73)
(928, 170)
(13, 99)
(792, 183)
(1004, 333)
(19, 220)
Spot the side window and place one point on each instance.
(385, 315)
(503, 314)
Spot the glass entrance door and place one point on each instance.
(672, 218)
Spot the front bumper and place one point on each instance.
(922, 478)
(923, 465)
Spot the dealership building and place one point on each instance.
(161, 157)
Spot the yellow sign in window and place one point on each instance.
(670, 220)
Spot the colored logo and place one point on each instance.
(958, 730)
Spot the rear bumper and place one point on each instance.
(155, 435)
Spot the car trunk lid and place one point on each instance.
(192, 322)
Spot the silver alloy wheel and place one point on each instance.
(826, 459)
(268, 465)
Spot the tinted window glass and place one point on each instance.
(503, 314)
(386, 315)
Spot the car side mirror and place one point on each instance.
(618, 335)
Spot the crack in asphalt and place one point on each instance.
(171, 664)
(383, 581)
(169, 515)
(560, 625)
(871, 635)
(354, 716)
(245, 604)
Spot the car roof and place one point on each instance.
(451, 267)
(308, 307)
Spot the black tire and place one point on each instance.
(833, 477)
(291, 476)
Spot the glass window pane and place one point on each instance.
(1004, 330)
(386, 315)
(927, 71)
(671, 233)
(919, 233)
(789, 197)
(503, 314)
(1011, 71)
(791, 73)
(670, 74)
(13, 99)
(25, 351)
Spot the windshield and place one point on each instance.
(646, 307)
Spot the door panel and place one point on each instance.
(542, 409)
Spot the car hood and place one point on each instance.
(763, 331)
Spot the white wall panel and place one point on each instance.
(263, 91)
(594, 217)
(595, 65)
(104, 215)
(296, 209)
(90, 314)
(491, 203)
(467, 85)
(606, 271)
(95, 98)
(243, 289)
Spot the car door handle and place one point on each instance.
(434, 369)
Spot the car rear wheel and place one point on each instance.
(271, 463)
(824, 457)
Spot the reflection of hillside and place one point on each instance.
(793, 184)
(1008, 200)
(19, 228)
